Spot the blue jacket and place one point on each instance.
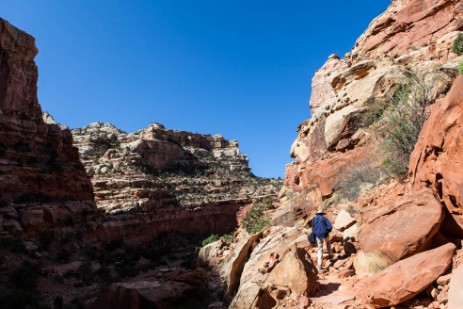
(321, 226)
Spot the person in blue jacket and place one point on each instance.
(321, 227)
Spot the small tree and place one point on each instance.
(405, 116)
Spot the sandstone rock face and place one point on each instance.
(405, 279)
(42, 181)
(408, 32)
(158, 180)
(266, 284)
(436, 161)
(422, 29)
(157, 168)
(404, 228)
(456, 286)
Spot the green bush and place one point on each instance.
(458, 45)
(404, 117)
(209, 240)
(460, 67)
(255, 219)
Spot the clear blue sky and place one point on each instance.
(240, 68)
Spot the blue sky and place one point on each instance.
(239, 68)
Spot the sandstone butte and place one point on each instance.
(398, 243)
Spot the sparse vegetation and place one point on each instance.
(255, 219)
(209, 240)
(352, 180)
(458, 45)
(403, 118)
(458, 49)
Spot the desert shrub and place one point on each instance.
(255, 219)
(374, 262)
(209, 240)
(228, 238)
(460, 67)
(404, 117)
(458, 45)
(351, 180)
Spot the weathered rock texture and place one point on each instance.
(410, 31)
(157, 168)
(456, 286)
(437, 159)
(404, 228)
(158, 180)
(405, 279)
(42, 182)
(267, 270)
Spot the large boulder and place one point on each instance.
(405, 279)
(436, 161)
(403, 228)
(264, 282)
(456, 289)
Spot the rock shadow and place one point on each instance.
(327, 289)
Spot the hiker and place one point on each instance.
(321, 227)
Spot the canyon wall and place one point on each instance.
(157, 180)
(43, 184)
(413, 34)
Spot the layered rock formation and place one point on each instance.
(157, 180)
(157, 168)
(343, 89)
(42, 181)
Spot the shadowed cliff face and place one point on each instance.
(42, 181)
(157, 180)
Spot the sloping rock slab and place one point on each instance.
(255, 285)
(405, 279)
(456, 289)
(436, 161)
(403, 228)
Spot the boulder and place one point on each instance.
(436, 161)
(343, 221)
(405, 279)
(403, 228)
(261, 284)
(456, 289)
(351, 233)
(295, 272)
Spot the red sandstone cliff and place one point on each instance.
(42, 181)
